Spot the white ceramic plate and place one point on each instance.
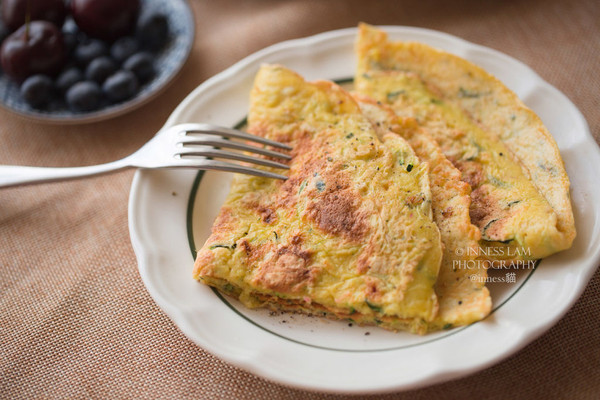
(171, 211)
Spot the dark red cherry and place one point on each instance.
(35, 48)
(14, 12)
(105, 19)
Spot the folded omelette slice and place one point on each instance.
(520, 190)
(460, 288)
(348, 235)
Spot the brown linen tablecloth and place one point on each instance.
(76, 320)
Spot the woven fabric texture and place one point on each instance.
(76, 320)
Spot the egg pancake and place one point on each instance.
(462, 295)
(520, 190)
(349, 234)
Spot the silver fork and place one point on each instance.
(171, 148)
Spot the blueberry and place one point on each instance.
(88, 50)
(100, 69)
(70, 40)
(153, 31)
(142, 65)
(37, 90)
(68, 78)
(120, 86)
(69, 26)
(84, 96)
(71, 35)
(124, 48)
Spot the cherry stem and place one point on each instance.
(27, 19)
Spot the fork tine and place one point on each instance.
(230, 167)
(210, 129)
(232, 156)
(217, 142)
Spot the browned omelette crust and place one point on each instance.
(520, 197)
(460, 287)
(349, 233)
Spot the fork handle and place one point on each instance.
(14, 175)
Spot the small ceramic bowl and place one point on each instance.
(169, 62)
